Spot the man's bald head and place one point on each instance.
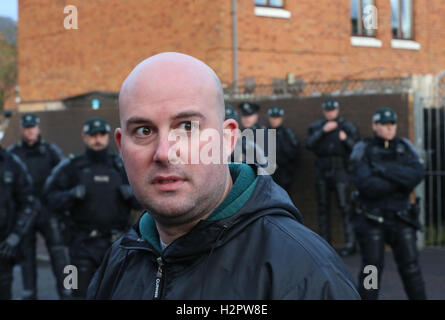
(171, 71)
(170, 96)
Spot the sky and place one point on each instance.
(8, 8)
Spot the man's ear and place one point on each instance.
(84, 137)
(230, 135)
(118, 138)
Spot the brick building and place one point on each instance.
(311, 40)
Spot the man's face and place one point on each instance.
(154, 104)
(275, 122)
(97, 141)
(385, 131)
(30, 134)
(250, 120)
(331, 114)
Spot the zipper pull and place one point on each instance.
(157, 294)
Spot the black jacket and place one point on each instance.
(260, 252)
(39, 159)
(287, 149)
(17, 203)
(328, 144)
(385, 176)
(104, 206)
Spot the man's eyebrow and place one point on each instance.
(137, 120)
(181, 115)
(188, 114)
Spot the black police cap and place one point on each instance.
(275, 112)
(384, 115)
(95, 125)
(330, 104)
(230, 112)
(30, 120)
(248, 108)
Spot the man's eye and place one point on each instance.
(188, 125)
(144, 131)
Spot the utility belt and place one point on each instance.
(95, 233)
(409, 216)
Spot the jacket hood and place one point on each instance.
(266, 199)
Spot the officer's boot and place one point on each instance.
(323, 210)
(342, 193)
(59, 260)
(29, 268)
(86, 270)
(350, 247)
(5, 279)
(406, 256)
(413, 282)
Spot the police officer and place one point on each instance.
(253, 149)
(386, 169)
(249, 116)
(230, 113)
(287, 146)
(93, 187)
(40, 157)
(17, 214)
(332, 140)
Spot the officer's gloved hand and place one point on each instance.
(126, 191)
(9, 246)
(78, 192)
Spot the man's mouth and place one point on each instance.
(167, 183)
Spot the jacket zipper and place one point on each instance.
(158, 281)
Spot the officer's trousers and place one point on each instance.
(6, 279)
(86, 255)
(402, 239)
(50, 230)
(342, 193)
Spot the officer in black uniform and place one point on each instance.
(17, 214)
(231, 113)
(40, 157)
(287, 147)
(386, 169)
(94, 188)
(249, 116)
(332, 140)
(253, 149)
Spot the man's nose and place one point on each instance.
(162, 149)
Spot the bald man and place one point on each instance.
(210, 230)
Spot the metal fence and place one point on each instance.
(283, 89)
(434, 142)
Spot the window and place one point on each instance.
(402, 19)
(270, 3)
(360, 12)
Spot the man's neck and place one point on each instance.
(30, 143)
(168, 234)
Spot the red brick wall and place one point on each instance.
(114, 35)
(315, 42)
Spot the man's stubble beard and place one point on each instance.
(191, 209)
